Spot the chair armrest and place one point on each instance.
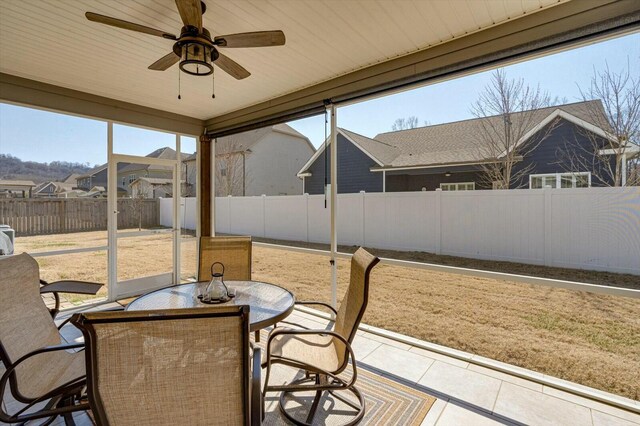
(326, 305)
(257, 402)
(21, 416)
(76, 287)
(285, 331)
(11, 368)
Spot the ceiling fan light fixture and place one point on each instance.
(196, 59)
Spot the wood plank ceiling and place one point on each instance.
(51, 41)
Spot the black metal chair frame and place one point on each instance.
(316, 379)
(63, 400)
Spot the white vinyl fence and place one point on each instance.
(587, 228)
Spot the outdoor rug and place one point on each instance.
(387, 402)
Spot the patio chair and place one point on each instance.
(39, 366)
(170, 367)
(233, 252)
(324, 354)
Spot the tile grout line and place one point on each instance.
(493, 406)
(435, 423)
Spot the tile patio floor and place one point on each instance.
(467, 394)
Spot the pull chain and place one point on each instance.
(179, 97)
(213, 85)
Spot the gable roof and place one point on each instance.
(71, 178)
(379, 152)
(165, 153)
(153, 181)
(17, 183)
(59, 186)
(242, 142)
(454, 143)
(91, 172)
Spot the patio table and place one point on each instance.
(269, 303)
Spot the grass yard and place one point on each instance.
(585, 338)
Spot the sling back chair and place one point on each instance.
(324, 354)
(233, 252)
(39, 367)
(172, 367)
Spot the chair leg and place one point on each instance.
(359, 407)
(68, 417)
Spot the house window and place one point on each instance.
(124, 182)
(132, 178)
(458, 186)
(560, 180)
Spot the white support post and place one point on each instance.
(334, 206)
(213, 186)
(112, 217)
(177, 200)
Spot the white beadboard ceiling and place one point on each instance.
(51, 41)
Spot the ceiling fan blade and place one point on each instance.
(253, 39)
(190, 12)
(114, 22)
(165, 62)
(231, 67)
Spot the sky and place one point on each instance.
(23, 131)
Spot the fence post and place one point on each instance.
(264, 216)
(546, 226)
(438, 220)
(306, 212)
(63, 215)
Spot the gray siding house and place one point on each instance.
(263, 161)
(447, 156)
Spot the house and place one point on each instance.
(130, 172)
(94, 177)
(449, 156)
(146, 187)
(52, 189)
(65, 188)
(263, 161)
(16, 188)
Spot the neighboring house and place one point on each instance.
(16, 188)
(263, 161)
(95, 177)
(447, 156)
(53, 189)
(65, 188)
(130, 172)
(100, 192)
(146, 187)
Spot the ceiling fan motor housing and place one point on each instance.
(196, 51)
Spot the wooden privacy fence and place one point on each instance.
(34, 216)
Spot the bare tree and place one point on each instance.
(613, 107)
(508, 109)
(231, 176)
(405, 123)
(138, 198)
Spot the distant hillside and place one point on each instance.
(16, 169)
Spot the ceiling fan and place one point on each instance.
(196, 51)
